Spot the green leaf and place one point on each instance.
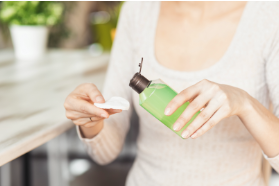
(31, 12)
(7, 13)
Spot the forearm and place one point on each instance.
(263, 126)
(106, 145)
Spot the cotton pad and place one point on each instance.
(114, 103)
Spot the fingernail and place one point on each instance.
(194, 135)
(185, 134)
(167, 111)
(176, 126)
(103, 115)
(99, 99)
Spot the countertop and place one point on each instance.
(32, 94)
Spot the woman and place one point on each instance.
(223, 57)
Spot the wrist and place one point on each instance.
(246, 106)
(91, 132)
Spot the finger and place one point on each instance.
(73, 115)
(96, 118)
(87, 108)
(81, 121)
(84, 121)
(184, 96)
(94, 94)
(202, 118)
(92, 91)
(216, 118)
(113, 111)
(90, 124)
(197, 104)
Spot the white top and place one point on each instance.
(225, 155)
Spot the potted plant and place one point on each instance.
(29, 22)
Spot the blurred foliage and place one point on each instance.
(31, 12)
(113, 8)
(114, 12)
(60, 31)
(57, 32)
(4, 29)
(104, 22)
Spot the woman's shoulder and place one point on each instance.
(271, 6)
(139, 15)
(140, 9)
(267, 10)
(262, 19)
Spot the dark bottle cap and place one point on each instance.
(139, 82)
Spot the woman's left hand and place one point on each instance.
(219, 101)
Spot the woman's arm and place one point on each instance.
(263, 125)
(222, 101)
(108, 137)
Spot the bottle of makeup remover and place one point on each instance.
(154, 97)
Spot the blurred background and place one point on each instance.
(70, 42)
(72, 24)
(76, 32)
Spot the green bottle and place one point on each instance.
(154, 97)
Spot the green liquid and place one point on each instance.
(155, 99)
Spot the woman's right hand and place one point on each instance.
(81, 110)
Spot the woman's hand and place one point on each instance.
(81, 110)
(219, 102)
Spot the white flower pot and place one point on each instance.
(29, 42)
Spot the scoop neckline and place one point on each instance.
(191, 74)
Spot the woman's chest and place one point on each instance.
(186, 44)
(191, 49)
(245, 71)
